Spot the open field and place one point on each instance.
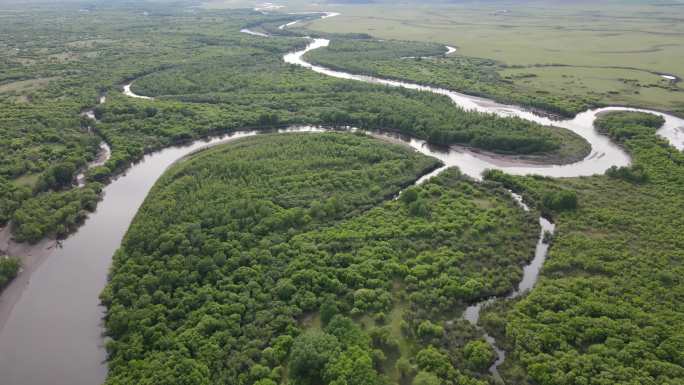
(622, 33)
(25, 85)
(642, 39)
(609, 85)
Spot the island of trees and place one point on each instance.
(279, 258)
(285, 258)
(207, 78)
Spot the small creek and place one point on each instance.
(50, 316)
(103, 154)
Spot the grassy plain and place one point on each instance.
(635, 40)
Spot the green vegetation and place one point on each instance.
(277, 258)
(57, 213)
(207, 78)
(607, 52)
(284, 259)
(627, 125)
(9, 268)
(481, 77)
(608, 308)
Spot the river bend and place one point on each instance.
(50, 317)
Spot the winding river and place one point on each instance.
(105, 151)
(50, 316)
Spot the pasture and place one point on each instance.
(598, 44)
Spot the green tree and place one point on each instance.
(432, 360)
(479, 355)
(311, 352)
(426, 378)
(409, 195)
(328, 310)
(9, 268)
(352, 367)
(404, 367)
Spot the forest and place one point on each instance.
(278, 258)
(608, 307)
(314, 258)
(207, 78)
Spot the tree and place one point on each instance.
(163, 368)
(352, 367)
(560, 200)
(432, 360)
(347, 332)
(404, 367)
(427, 329)
(479, 355)
(409, 195)
(57, 176)
(281, 347)
(328, 310)
(9, 267)
(311, 352)
(426, 378)
(419, 208)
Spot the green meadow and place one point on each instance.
(610, 51)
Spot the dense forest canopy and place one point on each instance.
(207, 78)
(311, 258)
(278, 257)
(608, 308)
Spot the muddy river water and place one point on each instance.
(50, 317)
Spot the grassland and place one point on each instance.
(23, 86)
(612, 51)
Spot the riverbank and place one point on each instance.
(614, 264)
(31, 257)
(64, 346)
(633, 35)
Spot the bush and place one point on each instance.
(427, 329)
(479, 355)
(328, 310)
(409, 195)
(311, 352)
(425, 378)
(635, 174)
(560, 200)
(57, 177)
(9, 268)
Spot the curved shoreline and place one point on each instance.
(672, 131)
(56, 320)
(33, 255)
(103, 154)
(581, 124)
(127, 86)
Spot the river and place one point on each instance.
(50, 317)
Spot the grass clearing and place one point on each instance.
(26, 85)
(644, 36)
(611, 85)
(28, 180)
